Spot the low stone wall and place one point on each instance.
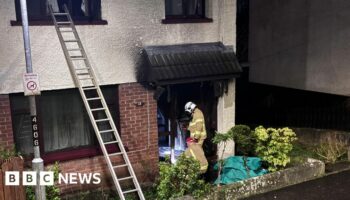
(301, 173)
(312, 136)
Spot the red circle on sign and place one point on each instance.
(31, 85)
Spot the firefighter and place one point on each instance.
(197, 123)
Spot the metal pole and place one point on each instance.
(37, 162)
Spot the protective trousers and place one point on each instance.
(195, 151)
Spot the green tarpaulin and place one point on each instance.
(237, 168)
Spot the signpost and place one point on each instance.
(31, 88)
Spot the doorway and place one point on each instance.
(172, 117)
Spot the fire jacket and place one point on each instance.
(197, 126)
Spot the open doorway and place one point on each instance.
(172, 117)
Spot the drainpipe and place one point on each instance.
(37, 162)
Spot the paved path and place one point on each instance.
(331, 187)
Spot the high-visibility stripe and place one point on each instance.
(194, 156)
(204, 167)
(196, 121)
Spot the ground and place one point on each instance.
(334, 186)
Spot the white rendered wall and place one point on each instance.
(113, 49)
(226, 117)
(300, 44)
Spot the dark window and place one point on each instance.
(64, 125)
(191, 9)
(79, 9)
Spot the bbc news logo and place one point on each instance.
(47, 178)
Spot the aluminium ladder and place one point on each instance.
(95, 104)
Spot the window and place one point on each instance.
(64, 125)
(190, 9)
(185, 11)
(79, 9)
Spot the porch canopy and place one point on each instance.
(188, 63)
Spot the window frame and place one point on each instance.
(185, 15)
(184, 18)
(71, 153)
(45, 20)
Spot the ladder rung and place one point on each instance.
(70, 40)
(119, 166)
(106, 131)
(60, 13)
(125, 178)
(97, 109)
(102, 120)
(68, 22)
(77, 56)
(112, 142)
(129, 191)
(82, 74)
(92, 99)
(116, 154)
(82, 58)
(89, 88)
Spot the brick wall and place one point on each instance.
(6, 133)
(139, 130)
(139, 133)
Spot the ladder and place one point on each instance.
(95, 104)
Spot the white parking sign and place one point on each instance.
(31, 84)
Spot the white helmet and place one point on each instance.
(190, 106)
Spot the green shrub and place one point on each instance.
(244, 140)
(52, 191)
(222, 139)
(274, 145)
(8, 153)
(180, 179)
(300, 153)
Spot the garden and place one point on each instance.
(275, 152)
(262, 154)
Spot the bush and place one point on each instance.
(222, 139)
(52, 191)
(6, 154)
(181, 179)
(300, 153)
(331, 149)
(244, 140)
(274, 145)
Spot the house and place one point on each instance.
(147, 55)
(298, 65)
(300, 44)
